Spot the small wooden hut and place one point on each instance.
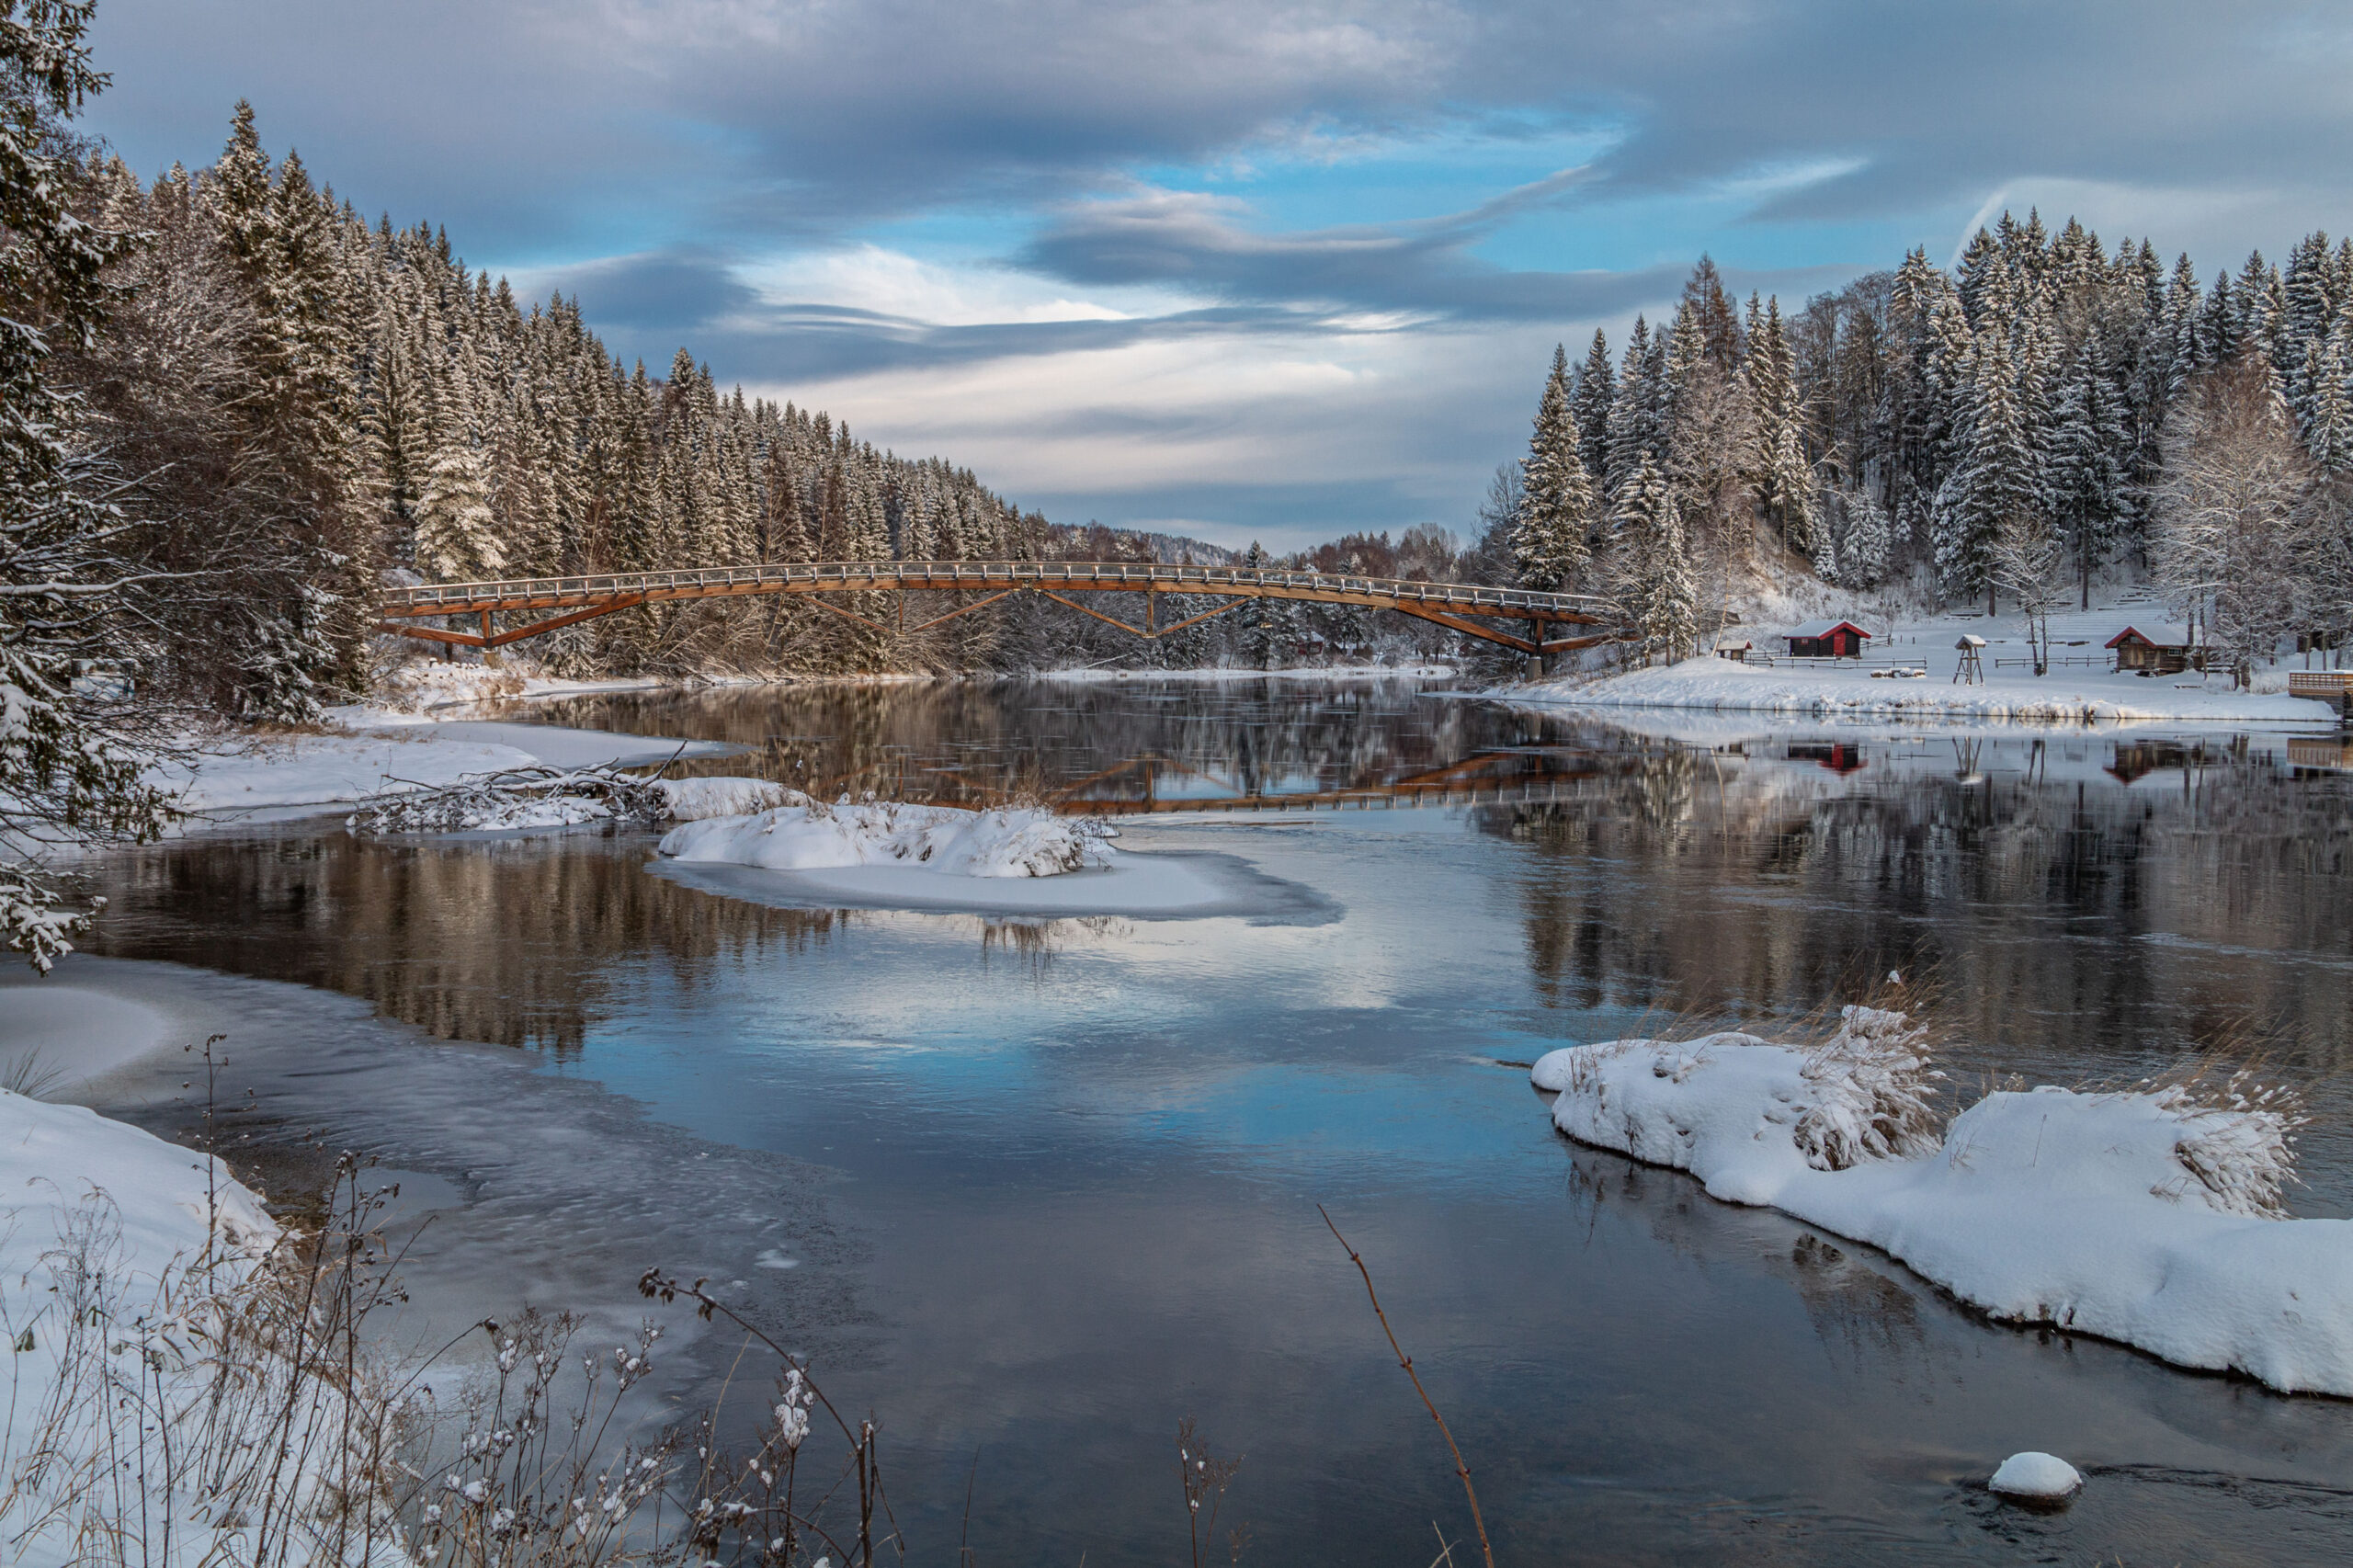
(2157, 649)
(1827, 640)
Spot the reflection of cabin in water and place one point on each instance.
(2319, 754)
(1827, 640)
(2157, 649)
(2138, 759)
(1836, 756)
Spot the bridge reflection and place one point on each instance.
(1152, 783)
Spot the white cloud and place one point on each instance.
(894, 283)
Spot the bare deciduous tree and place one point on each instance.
(2226, 510)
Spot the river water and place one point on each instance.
(1034, 1191)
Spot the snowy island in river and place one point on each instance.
(2150, 1217)
(1015, 860)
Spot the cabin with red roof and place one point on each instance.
(1827, 640)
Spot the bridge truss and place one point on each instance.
(1536, 618)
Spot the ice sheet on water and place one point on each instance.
(569, 1191)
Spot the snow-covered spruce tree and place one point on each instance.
(2089, 491)
(1651, 570)
(303, 624)
(2227, 511)
(69, 766)
(1865, 550)
(458, 538)
(1785, 483)
(1550, 539)
(1996, 479)
(2328, 406)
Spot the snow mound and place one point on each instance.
(2148, 1217)
(1021, 842)
(2039, 1476)
(695, 800)
(55, 1159)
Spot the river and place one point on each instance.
(1033, 1191)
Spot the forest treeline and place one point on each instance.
(2000, 431)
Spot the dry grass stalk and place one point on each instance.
(1462, 1470)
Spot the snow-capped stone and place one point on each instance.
(2038, 1476)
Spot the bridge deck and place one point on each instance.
(596, 593)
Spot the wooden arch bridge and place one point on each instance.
(1539, 623)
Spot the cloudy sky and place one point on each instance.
(1273, 268)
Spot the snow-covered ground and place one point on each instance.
(373, 753)
(2149, 1217)
(2085, 691)
(115, 1248)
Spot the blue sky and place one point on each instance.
(1239, 269)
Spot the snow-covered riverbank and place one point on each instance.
(2083, 690)
(125, 1262)
(2150, 1217)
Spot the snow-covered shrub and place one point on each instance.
(1874, 1092)
(2237, 1139)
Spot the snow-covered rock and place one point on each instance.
(2145, 1217)
(1021, 842)
(2039, 1477)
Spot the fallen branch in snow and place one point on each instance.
(516, 797)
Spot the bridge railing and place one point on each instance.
(443, 598)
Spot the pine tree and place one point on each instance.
(1999, 478)
(1865, 551)
(1654, 575)
(1634, 425)
(1785, 484)
(457, 534)
(1550, 541)
(2328, 428)
(68, 761)
(2088, 490)
(1596, 389)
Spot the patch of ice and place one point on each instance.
(2145, 1217)
(2039, 1476)
(943, 840)
(67, 1035)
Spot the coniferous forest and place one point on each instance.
(2003, 433)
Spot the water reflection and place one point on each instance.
(1084, 1155)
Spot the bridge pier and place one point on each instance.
(1539, 662)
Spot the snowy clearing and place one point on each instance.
(2145, 1217)
(2085, 690)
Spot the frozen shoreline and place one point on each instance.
(1713, 685)
(2150, 1217)
(2081, 689)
